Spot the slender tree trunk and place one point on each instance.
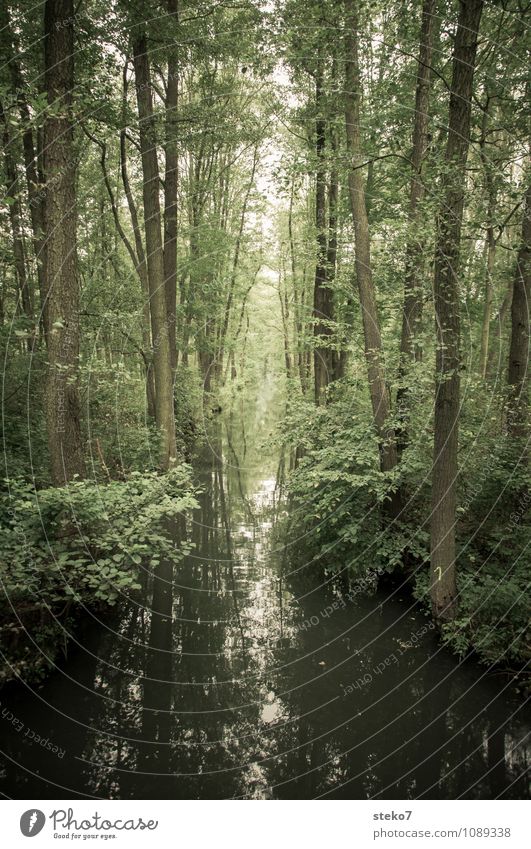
(162, 363)
(500, 321)
(487, 302)
(235, 263)
(322, 351)
(331, 252)
(140, 264)
(518, 373)
(35, 186)
(491, 248)
(138, 259)
(446, 292)
(379, 391)
(299, 324)
(15, 217)
(2, 278)
(62, 404)
(171, 177)
(284, 313)
(412, 308)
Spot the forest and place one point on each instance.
(265, 287)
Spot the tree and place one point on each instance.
(412, 308)
(443, 591)
(62, 405)
(379, 391)
(490, 242)
(162, 358)
(518, 371)
(322, 364)
(34, 180)
(13, 192)
(170, 191)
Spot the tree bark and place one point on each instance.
(15, 218)
(331, 251)
(499, 322)
(412, 308)
(171, 177)
(518, 372)
(235, 263)
(284, 313)
(299, 324)
(322, 351)
(62, 403)
(35, 187)
(137, 258)
(490, 246)
(379, 391)
(443, 590)
(487, 303)
(141, 266)
(162, 363)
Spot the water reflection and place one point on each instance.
(236, 677)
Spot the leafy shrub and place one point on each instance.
(337, 492)
(80, 544)
(338, 489)
(493, 563)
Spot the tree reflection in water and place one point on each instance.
(213, 686)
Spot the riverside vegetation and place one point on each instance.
(201, 197)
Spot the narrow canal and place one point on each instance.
(240, 673)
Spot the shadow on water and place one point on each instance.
(226, 680)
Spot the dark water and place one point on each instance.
(236, 677)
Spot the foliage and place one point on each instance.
(493, 573)
(83, 545)
(258, 123)
(336, 489)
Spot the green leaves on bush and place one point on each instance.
(84, 543)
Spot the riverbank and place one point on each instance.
(338, 496)
(229, 676)
(70, 550)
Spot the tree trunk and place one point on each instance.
(322, 351)
(284, 313)
(371, 327)
(446, 293)
(62, 404)
(34, 185)
(518, 373)
(299, 324)
(331, 252)
(487, 303)
(490, 246)
(500, 321)
(235, 263)
(412, 308)
(170, 194)
(164, 413)
(15, 218)
(137, 257)
(140, 264)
